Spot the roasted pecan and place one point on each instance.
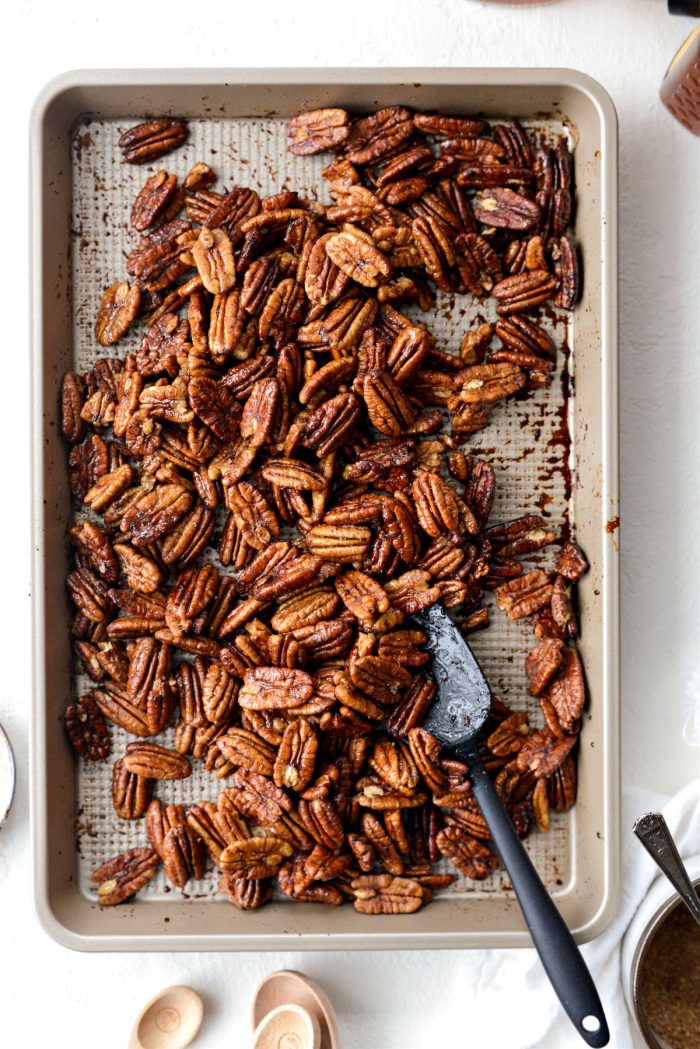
(486, 383)
(296, 758)
(374, 136)
(257, 797)
(380, 676)
(318, 130)
(257, 857)
(219, 692)
(386, 894)
(394, 764)
(412, 592)
(153, 761)
(524, 596)
(153, 199)
(571, 562)
(542, 663)
(439, 508)
(344, 544)
(508, 738)
(543, 753)
(469, 855)
(246, 893)
(415, 704)
(567, 692)
(72, 401)
(328, 427)
(245, 750)
(131, 793)
(148, 141)
(425, 751)
(521, 536)
(293, 473)
(523, 291)
(89, 594)
(213, 257)
(192, 593)
(388, 409)
(503, 208)
(382, 845)
(95, 547)
(448, 126)
(566, 267)
(356, 256)
(86, 729)
(562, 608)
(156, 513)
(279, 570)
(275, 688)
(115, 705)
(561, 786)
(118, 308)
(87, 463)
(321, 820)
(123, 876)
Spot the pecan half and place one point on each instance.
(258, 857)
(567, 692)
(470, 856)
(386, 894)
(131, 793)
(571, 562)
(524, 596)
(121, 877)
(213, 257)
(153, 199)
(503, 208)
(542, 663)
(275, 688)
(296, 758)
(86, 729)
(358, 258)
(118, 308)
(318, 130)
(153, 139)
(246, 893)
(153, 761)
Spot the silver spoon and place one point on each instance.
(652, 830)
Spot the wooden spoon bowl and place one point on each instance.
(170, 1020)
(287, 986)
(288, 1026)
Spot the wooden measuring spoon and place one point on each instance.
(288, 1026)
(170, 1020)
(287, 986)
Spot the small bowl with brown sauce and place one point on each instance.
(663, 990)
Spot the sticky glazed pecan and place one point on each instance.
(275, 480)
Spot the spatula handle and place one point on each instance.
(561, 958)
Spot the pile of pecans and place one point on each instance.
(277, 383)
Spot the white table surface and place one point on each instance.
(49, 995)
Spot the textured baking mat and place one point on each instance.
(527, 441)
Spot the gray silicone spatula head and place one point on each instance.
(464, 697)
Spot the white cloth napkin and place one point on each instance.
(506, 995)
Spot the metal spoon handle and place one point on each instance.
(652, 830)
(561, 958)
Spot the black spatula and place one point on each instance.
(456, 719)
